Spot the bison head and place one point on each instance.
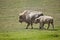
(20, 18)
(37, 20)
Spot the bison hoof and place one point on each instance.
(40, 28)
(26, 28)
(31, 28)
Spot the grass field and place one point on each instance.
(11, 29)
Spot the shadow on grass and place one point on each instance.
(30, 28)
(45, 29)
(53, 29)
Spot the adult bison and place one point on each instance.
(29, 16)
(45, 20)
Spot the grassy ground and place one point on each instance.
(11, 29)
(30, 35)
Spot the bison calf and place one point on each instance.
(44, 20)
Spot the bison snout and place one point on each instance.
(20, 21)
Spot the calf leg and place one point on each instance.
(41, 26)
(27, 25)
(52, 25)
(31, 25)
(48, 25)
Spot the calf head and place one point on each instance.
(37, 20)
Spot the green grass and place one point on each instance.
(11, 29)
(30, 35)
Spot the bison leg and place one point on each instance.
(31, 25)
(41, 26)
(52, 25)
(27, 25)
(48, 25)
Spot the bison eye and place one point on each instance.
(38, 20)
(20, 17)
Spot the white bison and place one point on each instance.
(44, 20)
(29, 16)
